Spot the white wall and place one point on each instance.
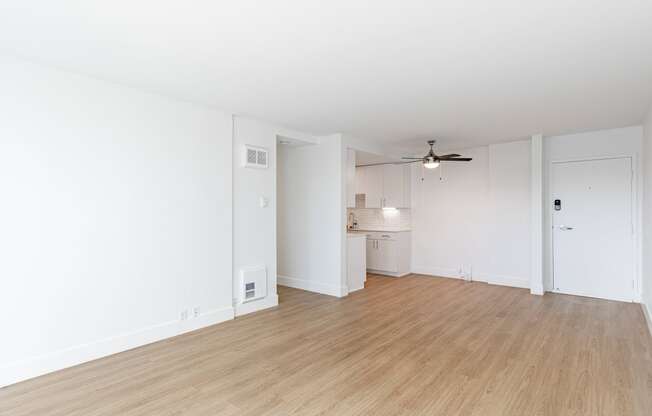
(254, 239)
(476, 217)
(510, 200)
(254, 243)
(115, 216)
(647, 220)
(311, 217)
(595, 144)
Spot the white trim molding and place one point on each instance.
(536, 214)
(79, 354)
(311, 286)
(648, 317)
(267, 302)
(386, 273)
(490, 278)
(511, 281)
(437, 272)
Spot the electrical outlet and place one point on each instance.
(466, 273)
(196, 311)
(184, 315)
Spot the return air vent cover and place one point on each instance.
(255, 157)
(253, 283)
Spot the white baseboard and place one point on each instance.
(510, 281)
(492, 279)
(269, 301)
(385, 273)
(437, 271)
(537, 290)
(311, 286)
(37, 366)
(647, 311)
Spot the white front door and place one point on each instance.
(593, 244)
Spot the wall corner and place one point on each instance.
(536, 207)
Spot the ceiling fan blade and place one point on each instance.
(457, 159)
(450, 155)
(413, 158)
(387, 163)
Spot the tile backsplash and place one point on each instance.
(368, 217)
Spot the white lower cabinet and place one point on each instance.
(372, 254)
(389, 253)
(356, 262)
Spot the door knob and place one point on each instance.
(565, 228)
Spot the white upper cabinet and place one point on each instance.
(369, 181)
(394, 186)
(373, 186)
(385, 186)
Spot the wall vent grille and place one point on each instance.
(255, 157)
(250, 290)
(253, 283)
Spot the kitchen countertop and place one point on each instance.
(380, 230)
(355, 235)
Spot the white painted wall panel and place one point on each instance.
(115, 216)
(474, 216)
(647, 219)
(509, 225)
(254, 240)
(450, 216)
(311, 217)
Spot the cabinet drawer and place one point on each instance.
(375, 235)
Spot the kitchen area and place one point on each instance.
(378, 218)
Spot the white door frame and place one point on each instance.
(637, 212)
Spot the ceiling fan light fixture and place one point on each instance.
(430, 163)
(432, 160)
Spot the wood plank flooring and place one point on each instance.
(410, 346)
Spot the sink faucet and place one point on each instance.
(352, 223)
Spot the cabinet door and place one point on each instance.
(394, 186)
(407, 186)
(387, 254)
(360, 180)
(372, 255)
(370, 183)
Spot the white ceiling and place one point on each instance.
(465, 72)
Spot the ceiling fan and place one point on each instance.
(432, 161)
